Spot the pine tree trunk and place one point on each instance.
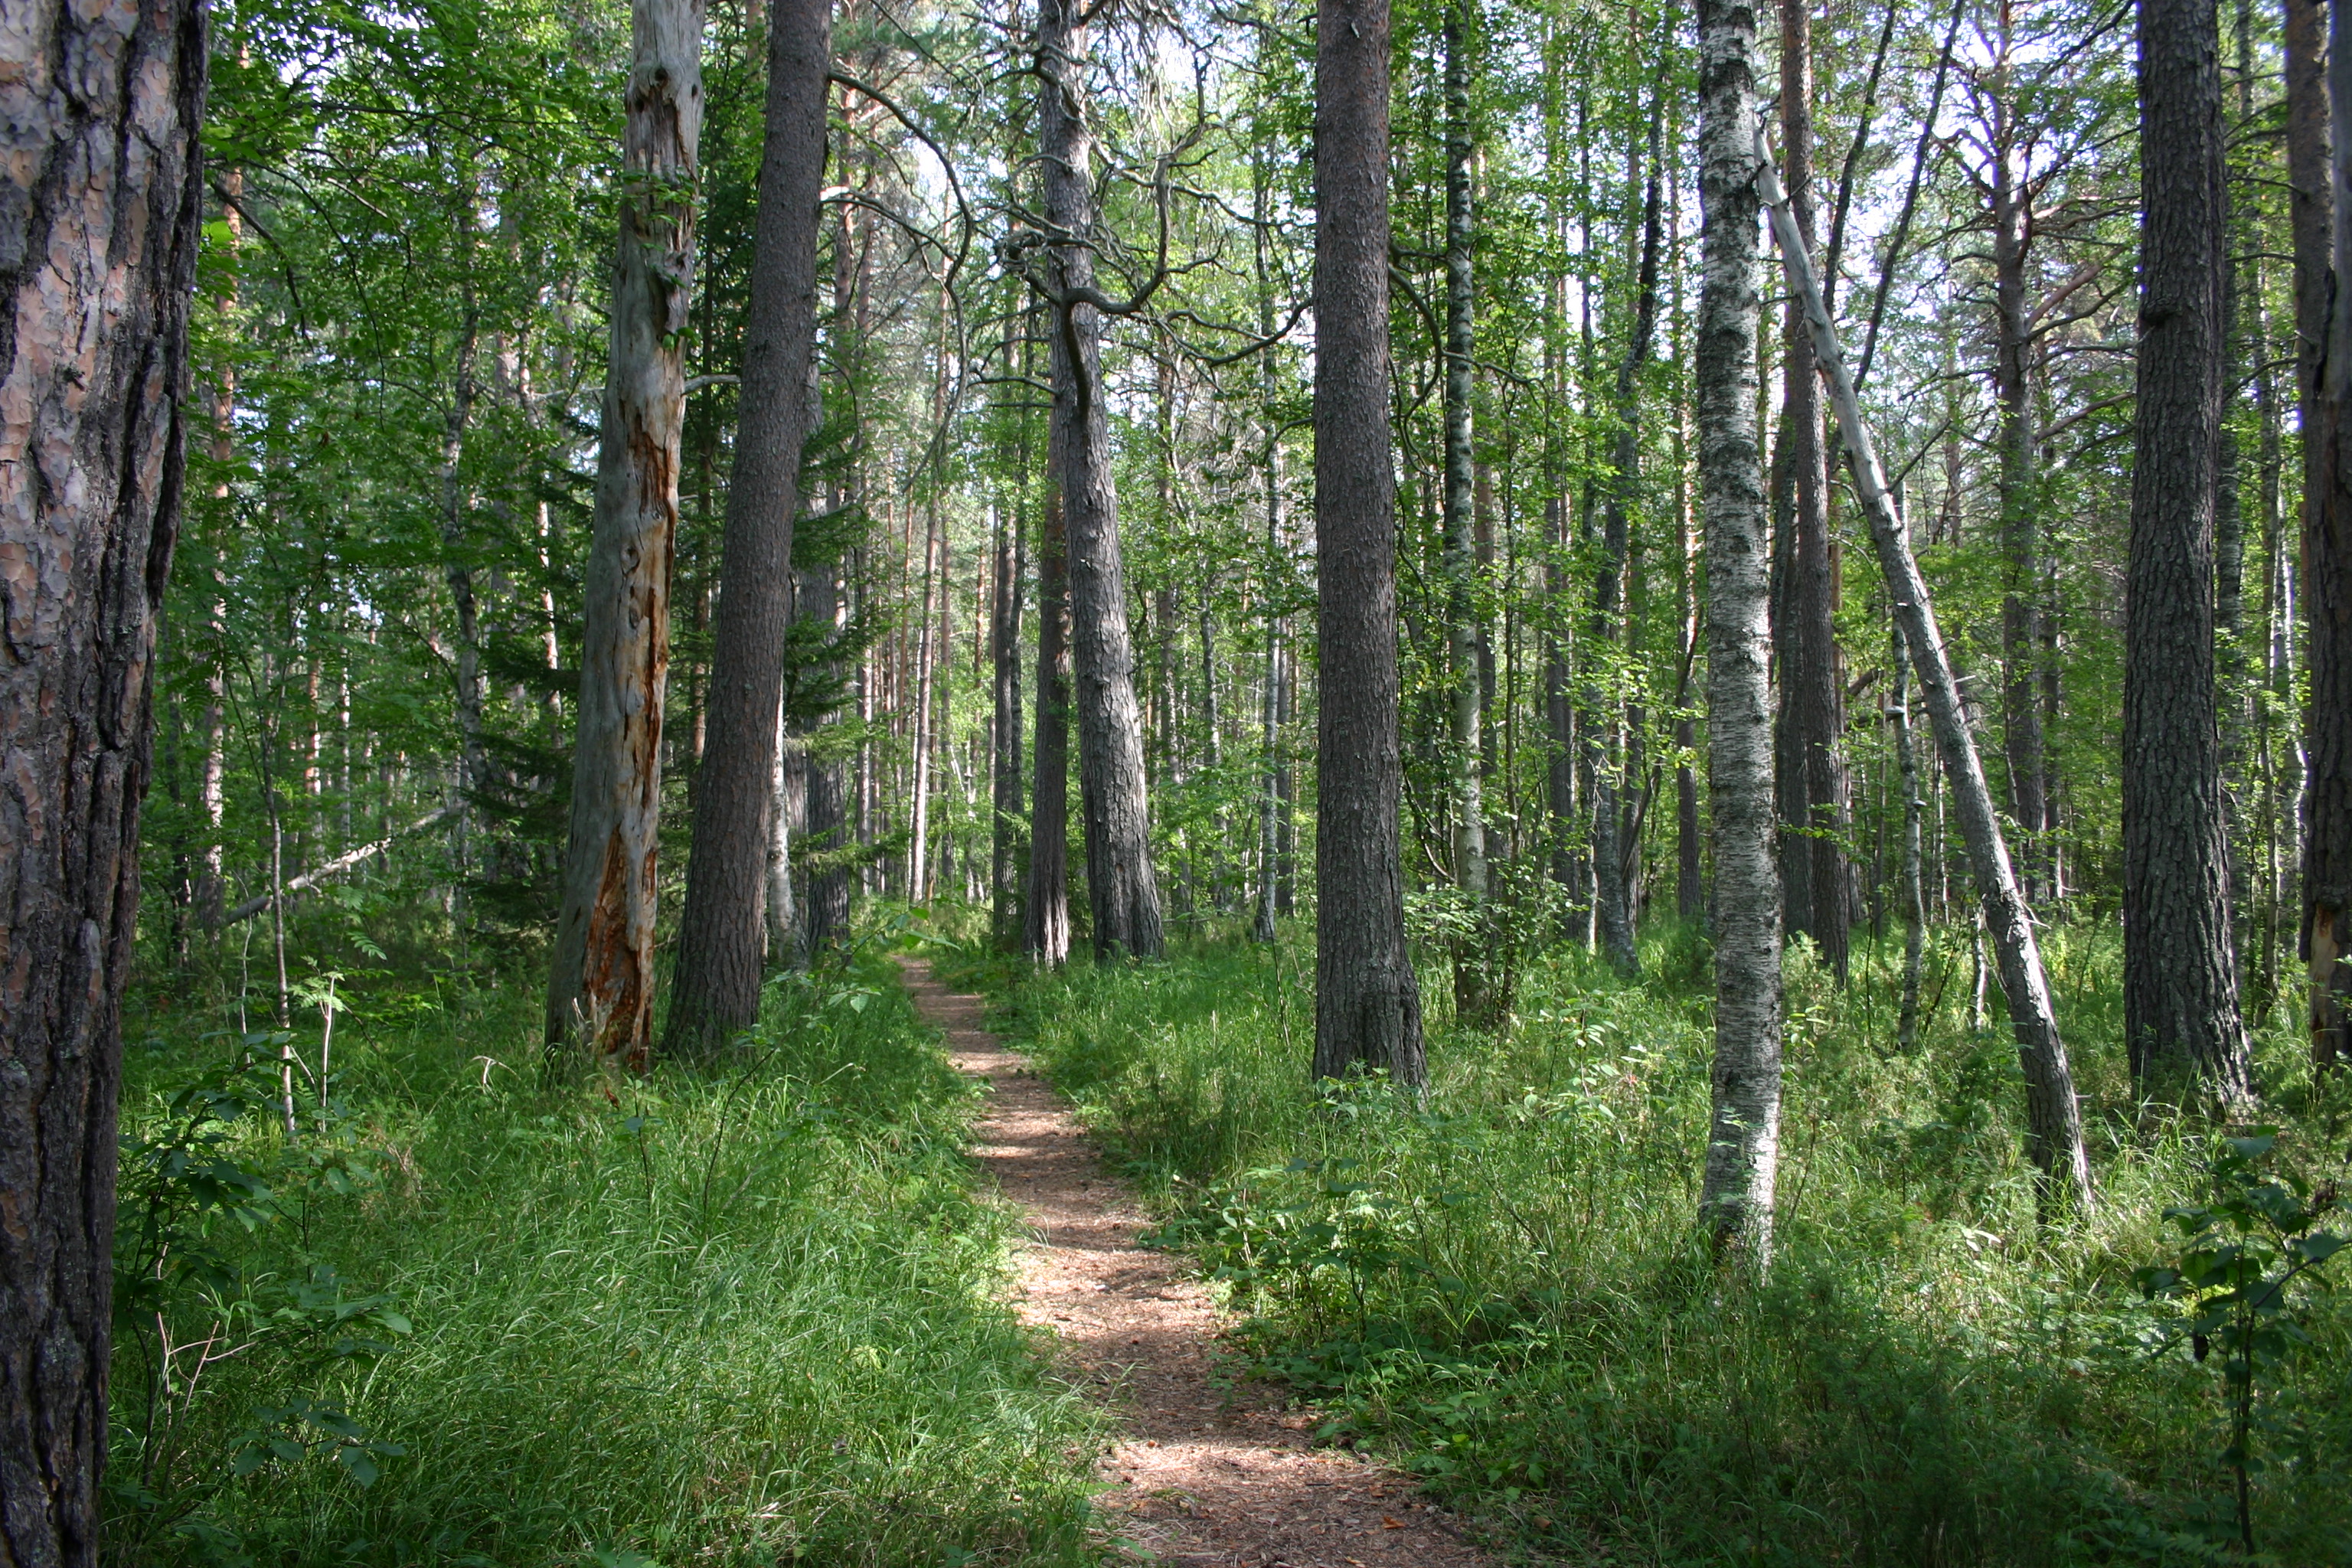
(2180, 993)
(2327, 598)
(1122, 893)
(1045, 896)
(1367, 999)
(103, 202)
(1461, 573)
(715, 986)
(600, 990)
(824, 815)
(1812, 696)
(1744, 1134)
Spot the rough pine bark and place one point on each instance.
(1744, 1130)
(715, 986)
(1367, 999)
(100, 209)
(1813, 717)
(2327, 939)
(2181, 1022)
(601, 984)
(1122, 893)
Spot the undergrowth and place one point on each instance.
(1501, 1285)
(751, 1314)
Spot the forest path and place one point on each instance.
(1206, 1473)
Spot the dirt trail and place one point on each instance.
(1204, 1476)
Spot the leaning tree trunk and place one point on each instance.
(1045, 891)
(105, 201)
(2181, 1024)
(1122, 894)
(715, 986)
(1744, 1131)
(1367, 999)
(600, 988)
(2327, 939)
(2053, 1117)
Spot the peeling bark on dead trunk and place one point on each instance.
(99, 220)
(1744, 1130)
(600, 991)
(1367, 999)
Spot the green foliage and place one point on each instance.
(2243, 1277)
(751, 1315)
(1502, 1287)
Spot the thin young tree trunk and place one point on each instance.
(926, 739)
(1912, 889)
(1466, 711)
(1269, 834)
(2053, 1117)
(1812, 696)
(2018, 504)
(1610, 855)
(824, 911)
(458, 572)
(1045, 897)
(1004, 780)
(2181, 1024)
(1122, 893)
(2328, 597)
(106, 193)
(1744, 1131)
(1367, 999)
(600, 990)
(715, 986)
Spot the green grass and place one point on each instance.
(1502, 1287)
(752, 1315)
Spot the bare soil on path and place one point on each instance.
(1208, 1473)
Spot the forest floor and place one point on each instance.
(1209, 1469)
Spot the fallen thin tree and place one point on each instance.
(334, 868)
(2053, 1117)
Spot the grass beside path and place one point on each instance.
(745, 1316)
(1501, 1290)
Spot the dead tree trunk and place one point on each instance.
(105, 201)
(2053, 1117)
(600, 991)
(1367, 999)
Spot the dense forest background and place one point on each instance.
(347, 1151)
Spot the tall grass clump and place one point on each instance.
(1503, 1286)
(747, 1315)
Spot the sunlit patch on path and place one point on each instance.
(1201, 1476)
